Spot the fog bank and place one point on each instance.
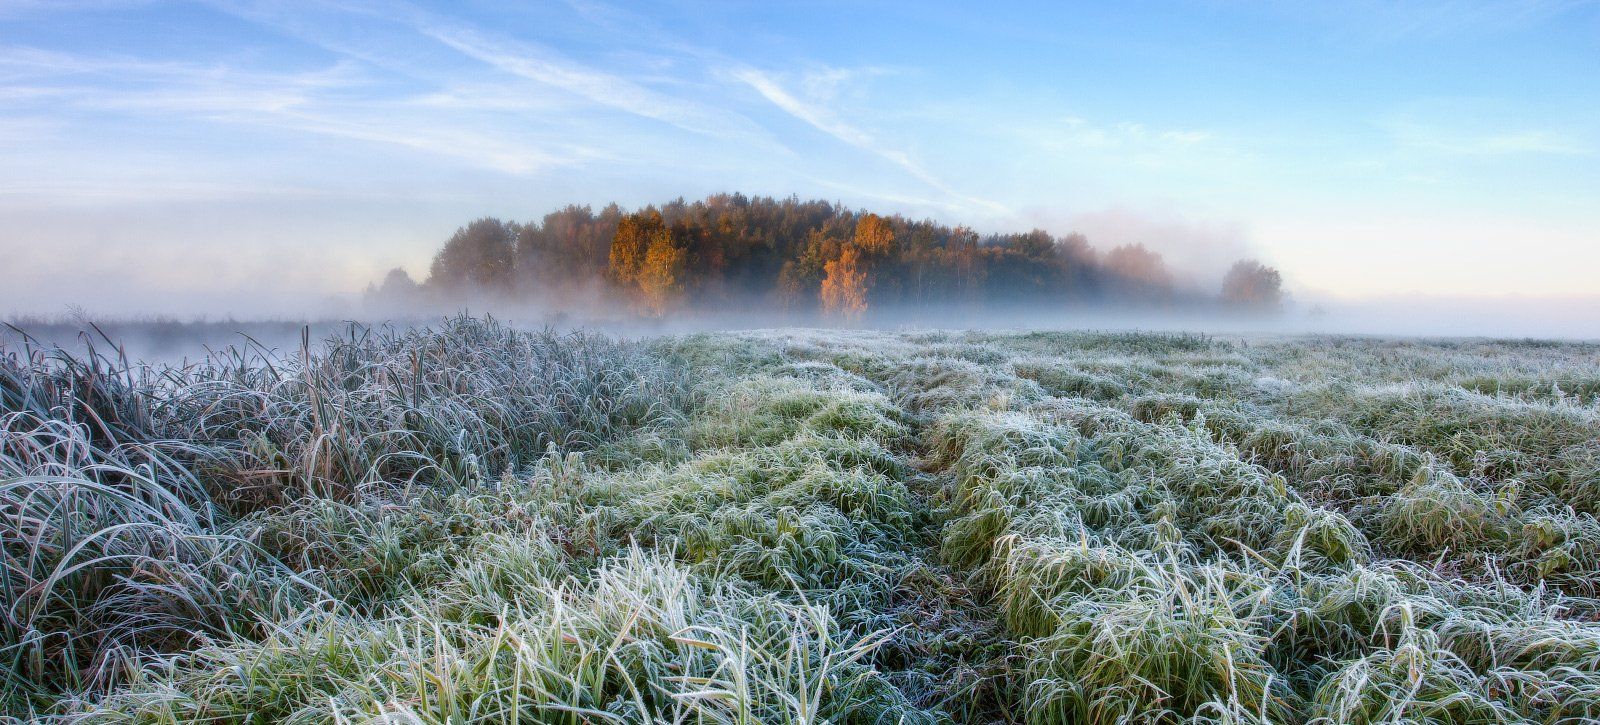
(190, 334)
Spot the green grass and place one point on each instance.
(470, 522)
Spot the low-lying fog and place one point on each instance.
(180, 335)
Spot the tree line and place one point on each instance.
(801, 256)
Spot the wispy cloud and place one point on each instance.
(824, 119)
(494, 151)
(542, 65)
(634, 88)
(130, 83)
(826, 83)
(512, 75)
(312, 101)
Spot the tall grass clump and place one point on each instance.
(122, 485)
(111, 547)
(461, 402)
(642, 639)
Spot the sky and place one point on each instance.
(253, 157)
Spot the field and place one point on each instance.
(467, 522)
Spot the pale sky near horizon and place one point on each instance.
(250, 156)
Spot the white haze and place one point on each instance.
(1198, 252)
(191, 335)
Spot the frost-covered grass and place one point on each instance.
(474, 523)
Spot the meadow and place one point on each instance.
(470, 522)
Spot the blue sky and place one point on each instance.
(239, 156)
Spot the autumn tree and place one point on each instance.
(660, 278)
(800, 277)
(844, 288)
(635, 233)
(874, 237)
(648, 260)
(1252, 285)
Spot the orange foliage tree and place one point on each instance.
(635, 233)
(874, 237)
(661, 276)
(844, 288)
(648, 261)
